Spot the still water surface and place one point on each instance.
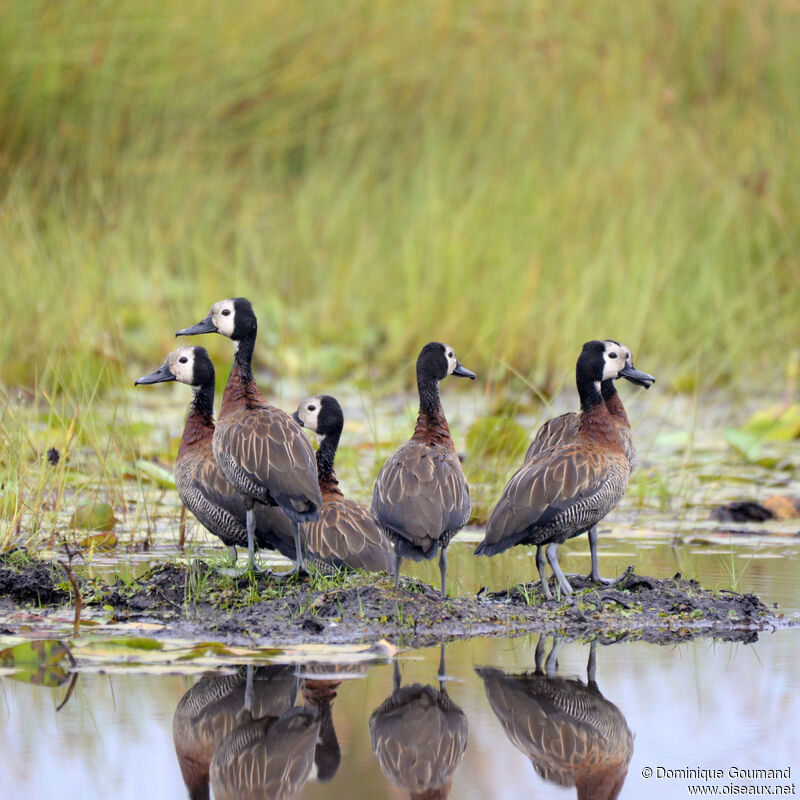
(701, 704)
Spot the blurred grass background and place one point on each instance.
(513, 178)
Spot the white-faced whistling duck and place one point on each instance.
(268, 757)
(212, 709)
(569, 488)
(570, 732)
(564, 428)
(259, 448)
(421, 498)
(419, 736)
(201, 486)
(345, 534)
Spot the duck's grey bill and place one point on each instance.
(159, 376)
(204, 326)
(296, 418)
(463, 372)
(637, 377)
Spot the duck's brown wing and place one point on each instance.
(345, 534)
(566, 486)
(420, 494)
(264, 453)
(553, 433)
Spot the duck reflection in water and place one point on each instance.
(571, 733)
(419, 736)
(214, 707)
(320, 692)
(268, 756)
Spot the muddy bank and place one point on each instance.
(197, 601)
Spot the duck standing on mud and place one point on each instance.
(345, 534)
(421, 498)
(564, 428)
(570, 487)
(201, 485)
(259, 448)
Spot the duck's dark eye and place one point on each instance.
(450, 354)
(226, 312)
(312, 408)
(183, 359)
(612, 355)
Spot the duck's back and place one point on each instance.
(421, 498)
(553, 433)
(264, 454)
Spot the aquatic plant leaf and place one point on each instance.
(105, 540)
(775, 424)
(135, 643)
(205, 649)
(38, 662)
(161, 477)
(93, 517)
(745, 443)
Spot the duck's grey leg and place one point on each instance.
(249, 692)
(232, 552)
(591, 667)
(542, 567)
(594, 575)
(443, 569)
(299, 562)
(552, 557)
(397, 560)
(396, 675)
(251, 537)
(551, 665)
(539, 654)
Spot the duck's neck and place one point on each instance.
(241, 390)
(326, 454)
(595, 419)
(614, 402)
(199, 425)
(432, 425)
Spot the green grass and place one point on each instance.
(512, 178)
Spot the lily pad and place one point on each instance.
(93, 517)
(39, 662)
(105, 540)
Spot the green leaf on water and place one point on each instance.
(93, 517)
(747, 444)
(38, 662)
(161, 477)
(134, 643)
(202, 649)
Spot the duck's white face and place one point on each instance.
(222, 315)
(452, 361)
(615, 357)
(308, 411)
(181, 364)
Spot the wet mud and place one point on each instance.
(197, 601)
